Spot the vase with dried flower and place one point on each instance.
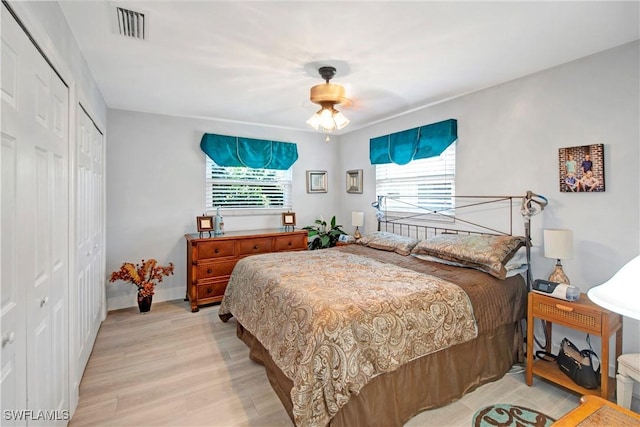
(145, 276)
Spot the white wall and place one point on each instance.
(155, 190)
(509, 136)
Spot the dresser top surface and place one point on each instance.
(204, 236)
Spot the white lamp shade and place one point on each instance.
(340, 120)
(357, 219)
(326, 120)
(314, 121)
(558, 244)
(621, 293)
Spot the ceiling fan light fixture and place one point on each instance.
(328, 119)
(340, 119)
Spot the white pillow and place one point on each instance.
(518, 260)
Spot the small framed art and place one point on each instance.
(288, 220)
(354, 181)
(581, 168)
(205, 223)
(316, 181)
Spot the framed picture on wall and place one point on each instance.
(581, 169)
(316, 181)
(354, 181)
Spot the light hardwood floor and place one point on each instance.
(171, 367)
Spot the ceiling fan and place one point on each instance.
(328, 95)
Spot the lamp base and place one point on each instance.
(558, 275)
(357, 234)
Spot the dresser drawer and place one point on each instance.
(214, 269)
(291, 242)
(215, 249)
(211, 290)
(255, 246)
(574, 315)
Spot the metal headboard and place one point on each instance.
(428, 216)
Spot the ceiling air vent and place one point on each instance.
(131, 23)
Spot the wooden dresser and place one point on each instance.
(210, 260)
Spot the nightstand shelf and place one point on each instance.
(581, 315)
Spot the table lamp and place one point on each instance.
(621, 294)
(558, 244)
(357, 220)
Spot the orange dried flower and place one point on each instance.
(145, 275)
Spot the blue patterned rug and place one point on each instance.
(504, 415)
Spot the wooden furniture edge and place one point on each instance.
(589, 405)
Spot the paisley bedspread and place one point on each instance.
(332, 321)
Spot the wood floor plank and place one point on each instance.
(171, 367)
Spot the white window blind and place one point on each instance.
(424, 183)
(246, 188)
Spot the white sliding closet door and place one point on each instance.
(13, 369)
(89, 237)
(35, 229)
(47, 295)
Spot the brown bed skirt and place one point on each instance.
(424, 383)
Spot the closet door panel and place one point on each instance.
(12, 297)
(12, 358)
(48, 308)
(35, 230)
(9, 82)
(89, 235)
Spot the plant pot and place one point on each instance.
(144, 303)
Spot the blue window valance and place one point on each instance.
(251, 153)
(417, 143)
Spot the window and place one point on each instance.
(422, 184)
(246, 188)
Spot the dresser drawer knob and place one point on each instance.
(564, 307)
(209, 290)
(290, 243)
(217, 251)
(209, 271)
(255, 247)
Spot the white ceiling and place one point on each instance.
(254, 62)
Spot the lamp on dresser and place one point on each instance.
(558, 244)
(621, 294)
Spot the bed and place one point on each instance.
(373, 333)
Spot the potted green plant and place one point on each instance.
(320, 237)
